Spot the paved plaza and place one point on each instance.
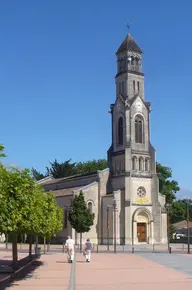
(109, 271)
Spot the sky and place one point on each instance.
(57, 69)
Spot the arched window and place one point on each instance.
(140, 163)
(134, 163)
(120, 131)
(90, 206)
(147, 164)
(139, 136)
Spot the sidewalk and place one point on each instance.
(127, 271)
(54, 274)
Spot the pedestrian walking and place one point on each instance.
(69, 245)
(88, 249)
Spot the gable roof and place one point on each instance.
(70, 182)
(129, 44)
(182, 225)
(147, 104)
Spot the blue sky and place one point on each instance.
(57, 68)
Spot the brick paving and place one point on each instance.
(54, 274)
(127, 271)
(108, 271)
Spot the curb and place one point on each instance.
(13, 275)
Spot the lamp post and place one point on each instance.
(168, 206)
(188, 229)
(107, 227)
(115, 237)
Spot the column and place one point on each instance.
(135, 239)
(151, 237)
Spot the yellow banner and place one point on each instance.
(142, 200)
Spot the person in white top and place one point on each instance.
(69, 244)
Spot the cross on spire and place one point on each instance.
(128, 26)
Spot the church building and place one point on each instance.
(125, 197)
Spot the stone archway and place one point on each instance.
(142, 227)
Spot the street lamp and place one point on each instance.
(107, 227)
(188, 228)
(115, 237)
(168, 206)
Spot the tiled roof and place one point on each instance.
(64, 192)
(71, 182)
(182, 225)
(129, 44)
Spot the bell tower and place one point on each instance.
(129, 77)
(131, 153)
(131, 157)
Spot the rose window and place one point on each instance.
(141, 192)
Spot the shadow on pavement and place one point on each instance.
(25, 273)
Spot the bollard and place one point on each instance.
(153, 247)
(133, 250)
(169, 250)
(97, 248)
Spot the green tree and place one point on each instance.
(37, 175)
(52, 221)
(80, 218)
(66, 168)
(90, 166)
(61, 169)
(2, 154)
(15, 186)
(177, 211)
(167, 187)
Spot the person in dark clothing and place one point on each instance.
(88, 249)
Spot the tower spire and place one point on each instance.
(128, 27)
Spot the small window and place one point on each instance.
(147, 164)
(134, 163)
(138, 88)
(120, 131)
(134, 86)
(139, 129)
(140, 163)
(90, 206)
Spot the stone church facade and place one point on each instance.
(125, 197)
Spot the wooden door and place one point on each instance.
(141, 232)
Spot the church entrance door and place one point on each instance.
(141, 232)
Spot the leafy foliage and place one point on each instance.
(167, 187)
(80, 217)
(37, 175)
(25, 207)
(65, 169)
(2, 154)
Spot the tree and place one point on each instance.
(66, 168)
(167, 187)
(90, 166)
(52, 221)
(61, 169)
(37, 175)
(2, 154)
(15, 187)
(177, 211)
(80, 218)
